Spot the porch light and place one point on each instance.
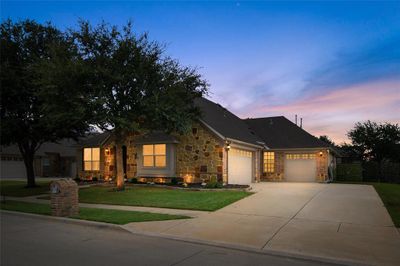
(320, 153)
(228, 145)
(107, 150)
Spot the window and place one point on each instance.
(46, 161)
(154, 155)
(91, 159)
(294, 156)
(269, 162)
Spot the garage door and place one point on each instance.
(300, 167)
(13, 169)
(240, 164)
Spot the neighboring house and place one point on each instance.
(220, 145)
(51, 160)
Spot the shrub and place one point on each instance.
(213, 183)
(174, 181)
(95, 179)
(349, 172)
(390, 171)
(77, 179)
(133, 180)
(371, 171)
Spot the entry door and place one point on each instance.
(240, 165)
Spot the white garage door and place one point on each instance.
(300, 167)
(12, 169)
(240, 164)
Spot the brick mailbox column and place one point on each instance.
(64, 198)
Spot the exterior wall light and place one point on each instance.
(320, 153)
(228, 145)
(107, 150)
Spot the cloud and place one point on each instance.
(335, 112)
(357, 85)
(382, 60)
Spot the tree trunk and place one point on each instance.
(120, 168)
(28, 154)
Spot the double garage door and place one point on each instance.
(240, 167)
(300, 167)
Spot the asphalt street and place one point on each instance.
(33, 241)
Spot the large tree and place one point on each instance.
(139, 89)
(42, 88)
(376, 141)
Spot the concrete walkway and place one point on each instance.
(189, 213)
(336, 221)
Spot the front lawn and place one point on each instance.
(18, 188)
(162, 197)
(390, 195)
(92, 214)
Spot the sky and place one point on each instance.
(331, 63)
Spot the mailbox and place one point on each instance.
(64, 198)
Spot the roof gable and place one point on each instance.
(280, 133)
(225, 123)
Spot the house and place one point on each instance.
(219, 145)
(51, 160)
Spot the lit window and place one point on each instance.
(154, 155)
(300, 156)
(269, 162)
(91, 159)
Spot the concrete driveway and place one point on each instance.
(336, 221)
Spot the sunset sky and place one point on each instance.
(332, 63)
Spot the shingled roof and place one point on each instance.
(95, 140)
(225, 123)
(280, 133)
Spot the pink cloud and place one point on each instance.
(334, 112)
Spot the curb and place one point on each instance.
(66, 220)
(122, 228)
(276, 253)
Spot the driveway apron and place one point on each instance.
(335, 221)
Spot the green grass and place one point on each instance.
(162, 197)
(390, 195)
(92, 214)
(19, 189)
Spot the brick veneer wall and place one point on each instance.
(64, 202)
(199, 155)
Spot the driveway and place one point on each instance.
(336, 221)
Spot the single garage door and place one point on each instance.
(300, 167)
(240, 165)
(13, 169)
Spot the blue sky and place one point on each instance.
(332, 63)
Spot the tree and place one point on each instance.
(139, 88)
(327, 140)
(376, 141)
(42, 84)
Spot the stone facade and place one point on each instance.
(64, 198)
(279, 173)
(199, 156)
(279, 169)
(110, 170)
(322, 165)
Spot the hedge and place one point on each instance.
(349, 172)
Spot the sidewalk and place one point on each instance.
(189, 213)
